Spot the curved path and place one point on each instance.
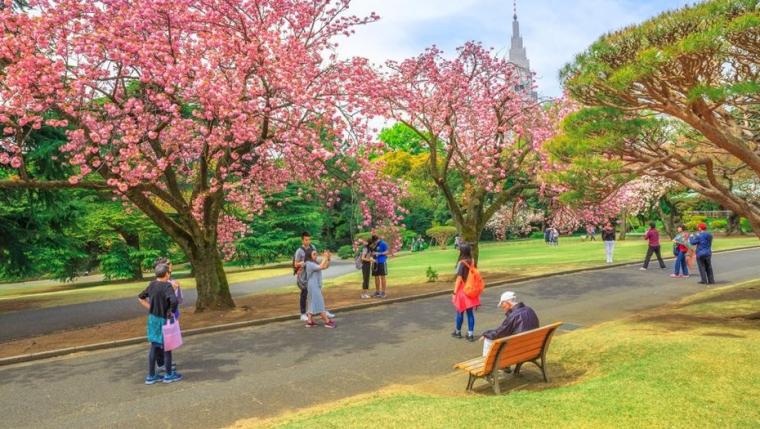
(265, 370)
(29, 323)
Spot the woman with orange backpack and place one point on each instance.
(467, 289)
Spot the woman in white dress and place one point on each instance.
(316, 303)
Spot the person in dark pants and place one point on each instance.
(703, 241)
(298, 263)
(654, 246)
(161, 302)
(367, 261)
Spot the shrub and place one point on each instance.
(442, 234)
(346, 252)
(432, 275)
(746, 227)
(719, 224)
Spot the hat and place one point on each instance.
(507, 296)
(702, 226)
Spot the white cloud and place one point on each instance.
(554, 31)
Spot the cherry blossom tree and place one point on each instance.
(190, 110)
(482, 132)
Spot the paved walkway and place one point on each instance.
(263, 371)
(28, 323)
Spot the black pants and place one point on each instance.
(157, 350)
(705, 269)
(656, 251)
(366, 271)
(304, 295)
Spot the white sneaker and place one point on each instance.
(365, 296)
(330, 315)
(304, 317)
(642, 269)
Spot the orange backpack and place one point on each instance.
(474, 285)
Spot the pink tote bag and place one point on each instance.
(172, 335)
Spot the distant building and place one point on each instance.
(519, 57)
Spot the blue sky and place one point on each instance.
(553, 31)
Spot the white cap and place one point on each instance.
(507, 296)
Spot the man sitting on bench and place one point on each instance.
(519, 318)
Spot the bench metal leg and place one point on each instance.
(517, 369)
(470, 382)
(495, 381)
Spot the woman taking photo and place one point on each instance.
(314, 286)
(462, 302)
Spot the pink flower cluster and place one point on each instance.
(199, 107)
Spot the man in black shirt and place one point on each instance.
(161, 302)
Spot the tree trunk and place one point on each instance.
(624, 226)
(734, 225)
(471, 236)
(211, 280)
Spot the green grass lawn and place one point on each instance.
(693, 364)
(529, 257)
(73, 294)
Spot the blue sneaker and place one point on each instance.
(152, 379)
(172, 377)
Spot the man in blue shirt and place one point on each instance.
(703, 241)
(380, 270)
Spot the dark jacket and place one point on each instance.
(519, 318)
(163, 300)
(608, 235)
(703, 241)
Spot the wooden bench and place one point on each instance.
(528, 346)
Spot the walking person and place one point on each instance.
(654, 247)
(680, 250)
(161, 302)
(554, 236)
(703, 241)
(365, 256)
(608, 237)
(316, 299)
(462, 302)
(380, 269)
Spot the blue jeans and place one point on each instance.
(681, 264)
(470, 320)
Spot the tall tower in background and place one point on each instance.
(519, 57)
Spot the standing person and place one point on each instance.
(681, 249)
(591, 232)
(380, 270)
(298, 271)
(298, 262)
(654, 247)
(703, 241)
(554, 236)
(160, 301)
(316, 299)
(608, 237)
(462, 302)
(367, 261)
(457, 241)
(180, 299)
(547, 235)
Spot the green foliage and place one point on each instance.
(442, 234)
(431, 274)
(745, 225)
(346, 252)
(277, 232)
(718, 224)
(400, 137)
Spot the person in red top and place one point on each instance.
(654, 246)
(462, 302)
